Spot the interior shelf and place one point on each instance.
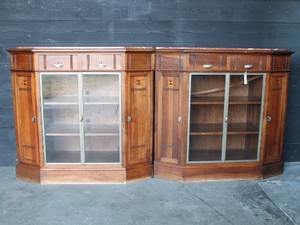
(90, 156)
(213, 90)
(73, 100)
(90, 130)
(206, 128)
(220, 100)
(217, 129)
(215, 154)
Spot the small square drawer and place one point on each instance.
(203, 62)
(170, 61)
(57, 62)
(247, 62)
(21, 61)
(102, 62)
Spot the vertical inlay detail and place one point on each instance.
(45, 62)
(71, 62)
(273, 62)
(260, 63)
(88, 61)
(114, 62)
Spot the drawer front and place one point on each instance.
(170, 61)
(136, 61)
(281, 62)
(58, 62)
(102, 62)
(206, 62)
(21, 61)
(248, 62)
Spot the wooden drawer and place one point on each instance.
(281, 62)
(102, 62)
(144, 61)
(206, 62)
(248, 62)
(56, 62)
(170, 61)
(21, 61)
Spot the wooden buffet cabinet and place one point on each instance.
(86, 114)
(83, 115)
(220, 113)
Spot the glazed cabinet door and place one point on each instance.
(139, 117)
(60, 117)
(275, 116)
(81, 117)
(100, 117)
(243, 120)
(206, 117)
(25, 117)
(170, 120)
(225, 117)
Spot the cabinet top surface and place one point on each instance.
(81, 49)
(223, 50)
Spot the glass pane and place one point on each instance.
(59, 89)
(99, 88)
(244, 115)
(205, 148)
(103, 149)
(206, 117)
(62, 149)
(101, 109)
(61, 118)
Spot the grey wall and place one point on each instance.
(214, 23)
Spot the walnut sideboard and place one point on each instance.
(220, 113)
(83, 115)
(121, 114)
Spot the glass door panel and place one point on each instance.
(101, 88)
(60, 110)
(101, 117)
(102, 149)
(206, 114)
(244, 117)
(62, 149)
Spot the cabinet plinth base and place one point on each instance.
(273, 169)
(82, 174)
(28, 172)
(178, 173)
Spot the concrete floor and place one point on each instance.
(154, 202)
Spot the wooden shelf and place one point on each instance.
(223, 88)
(73, 100)
(215, 155)
(246, 100)
(217, 129)
(90, 130)
(242, 128)
(90, 156)
(206, 129)
(207, 100)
